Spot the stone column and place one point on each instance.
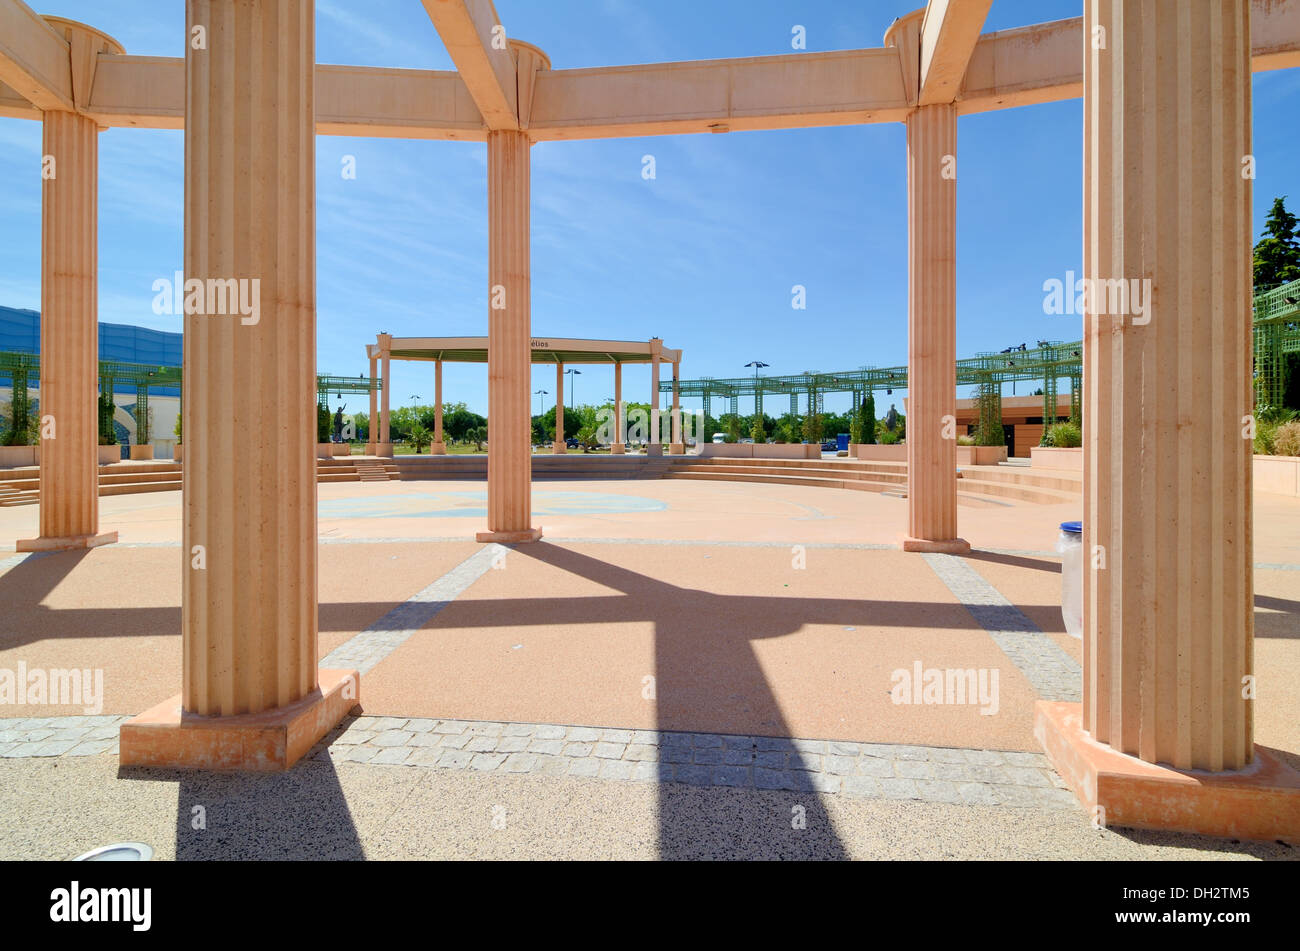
(676, 447)
(385, 446)
(654, 447)
(618, 447)
(1169, 621)
(251, 696)
(69, 380)
(559, 447)
(1168, 606)
(509, 349)
(69, 509)
(438, 448)
(372, 426)
(931, 331)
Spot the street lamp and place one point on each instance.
(573, 384)
(539, 394)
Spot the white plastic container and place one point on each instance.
(1070, 545)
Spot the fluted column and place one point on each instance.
(509, 350)
(559, 446)
(618, 447)
(1168, 606)
(654, 447)
(676, 446)
(437, 448)
(931, 331)
(385, 447)
(69, 380)
(250, 581)
(372, 426)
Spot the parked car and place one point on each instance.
(829, 446)
(571, 443)
(719, 437)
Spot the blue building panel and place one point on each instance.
(20, 331)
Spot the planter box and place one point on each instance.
(1051, 457)
(878, 453)
(324, 450)
(110, 454)
(177, 451)
(762, 450)
(13, 456)
(981, 455)
(141, 452)
(1277, 474)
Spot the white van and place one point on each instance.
(719, 437)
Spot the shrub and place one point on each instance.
(322, 423)
(756, 431)
(1286, 439)
(1063, 436)
(419, 437)
(888, 439)
(965, 440)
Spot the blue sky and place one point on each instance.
(703, 256)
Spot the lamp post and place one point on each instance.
(573, 384)
(539, 394)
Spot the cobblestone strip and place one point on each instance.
(380, 639)
(862, 770)
(1052, 672)
(58, 736)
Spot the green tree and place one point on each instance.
(1277, 255)
(478, 436)
(419, 437)
(322, 423)
(757, 431)
(867, 418)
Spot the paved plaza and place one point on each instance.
(679, 669)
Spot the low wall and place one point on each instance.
(966, 455)
(110, 454)
(1053, 457)
(1277, 474)
(981, 455)
(874, 452)
(13, 456)
(762, 450)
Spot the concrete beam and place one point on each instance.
(1044, 62)
(1009, 68)
(476, 41)
(728, 95)
(34, 58)
(949, 32)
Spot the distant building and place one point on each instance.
(20, 332)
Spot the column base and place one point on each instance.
(384, 449)
(437, 449)
(946, 546)
(677, 449)
(510, 538)
(618, 449)
(559, 448)
(654, 449)
(167, 736)
(1261, 801)
(65, 542)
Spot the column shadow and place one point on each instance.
(698, 819)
